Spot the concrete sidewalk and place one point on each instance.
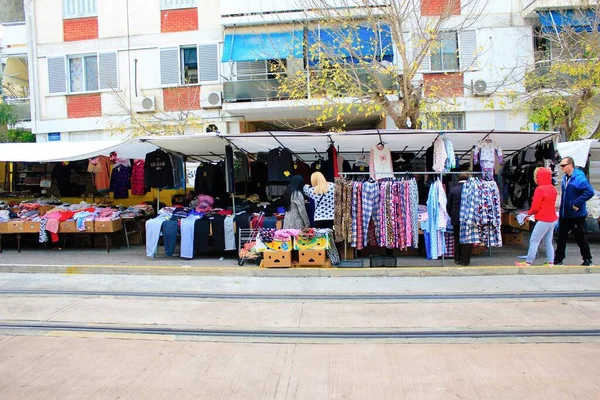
(301, 285)
(134, 261)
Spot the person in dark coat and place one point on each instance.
(462, 252)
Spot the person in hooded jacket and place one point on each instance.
(576, 191)
(543, 208)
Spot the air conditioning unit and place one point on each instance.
(479, 88)
(211, 100)
(145, 104)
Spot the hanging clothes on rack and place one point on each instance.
(437, 219)
(439, 155)
(158, 170)
(380, 162)
(485, 153)
(100, 167)
(138, 182)
(480, 213)
(280, 165)
(120, 181)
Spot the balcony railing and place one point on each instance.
(21, 108)
(538, 77)
(270, 89)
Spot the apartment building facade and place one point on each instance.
(101, 67)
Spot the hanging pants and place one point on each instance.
(218, 232)
(169, 232)
(201, 235)
(187, 236)
(153, 228)
(370, 206)
(229, 233)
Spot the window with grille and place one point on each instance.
(448, 121)
(79, 8)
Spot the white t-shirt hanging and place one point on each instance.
(380, 163)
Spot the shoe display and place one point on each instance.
(587, 263)
(522, 264)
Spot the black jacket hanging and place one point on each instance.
(158, 170)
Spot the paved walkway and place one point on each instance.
(134, 261)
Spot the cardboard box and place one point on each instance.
(31, 227)
(311, 258)
(67, 227)
(14, 227)
(510, 219)
(277, 259)
(3, 227)
(512, 238)
(108, 226)
(44, 209)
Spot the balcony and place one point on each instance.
(14, 38)
(21, 108)
(531, 7)
(544, 77)
(269, 89)
(256, 12)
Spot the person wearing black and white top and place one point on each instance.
(322, 192)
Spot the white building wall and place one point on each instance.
(49, 21)
(503, 38)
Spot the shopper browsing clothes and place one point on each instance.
(462, 252)
(543, 208)
(322, 194)
(296, 216)
(576, 190)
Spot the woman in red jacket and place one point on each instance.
(543, 208)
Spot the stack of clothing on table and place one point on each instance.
(195, 226)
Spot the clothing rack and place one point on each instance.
(418, 173)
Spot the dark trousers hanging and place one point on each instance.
(218, 232)
(462, 252)
(201, 235)
(169, 231)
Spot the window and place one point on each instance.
(258, 70)
(444, 52)
(189, 65)
(451, 121)
(174, 4)
(83, 74)
(79, 8)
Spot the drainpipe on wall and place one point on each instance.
(32, 65)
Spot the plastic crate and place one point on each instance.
(383, 261)
(351, 264)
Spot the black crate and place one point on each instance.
(350, 264)
(383, 261)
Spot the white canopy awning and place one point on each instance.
(578, 150)
(72, 151)
(397, 140)
(209, 146)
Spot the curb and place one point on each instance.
(293, 272)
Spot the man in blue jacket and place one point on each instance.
(576, 190)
